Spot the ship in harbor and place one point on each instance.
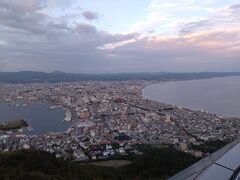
(68, 116)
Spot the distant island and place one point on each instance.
(12, 125)
(57, 76)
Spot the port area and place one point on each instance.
(13, 125)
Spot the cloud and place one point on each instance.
(117, 44)
(222, 19)
(86, 28)
(192, 52)
(33, 38)
(235, 6)
(3, 43)
(89, 15)
(169, 17)
(23, 5)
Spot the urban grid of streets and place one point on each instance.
(110, 118)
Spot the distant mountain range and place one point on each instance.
(57, 76)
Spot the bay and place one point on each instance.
(216, 95)
(39, 116)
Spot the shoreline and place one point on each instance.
(179, 106)
(14, 124)
(33, 128)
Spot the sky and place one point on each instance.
(107, 36)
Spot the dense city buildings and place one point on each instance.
(109, 118)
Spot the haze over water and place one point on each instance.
(216, 95)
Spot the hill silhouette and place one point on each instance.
(58, 76)
(33, 164)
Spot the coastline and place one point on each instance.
(184, 107)
(31, 113)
